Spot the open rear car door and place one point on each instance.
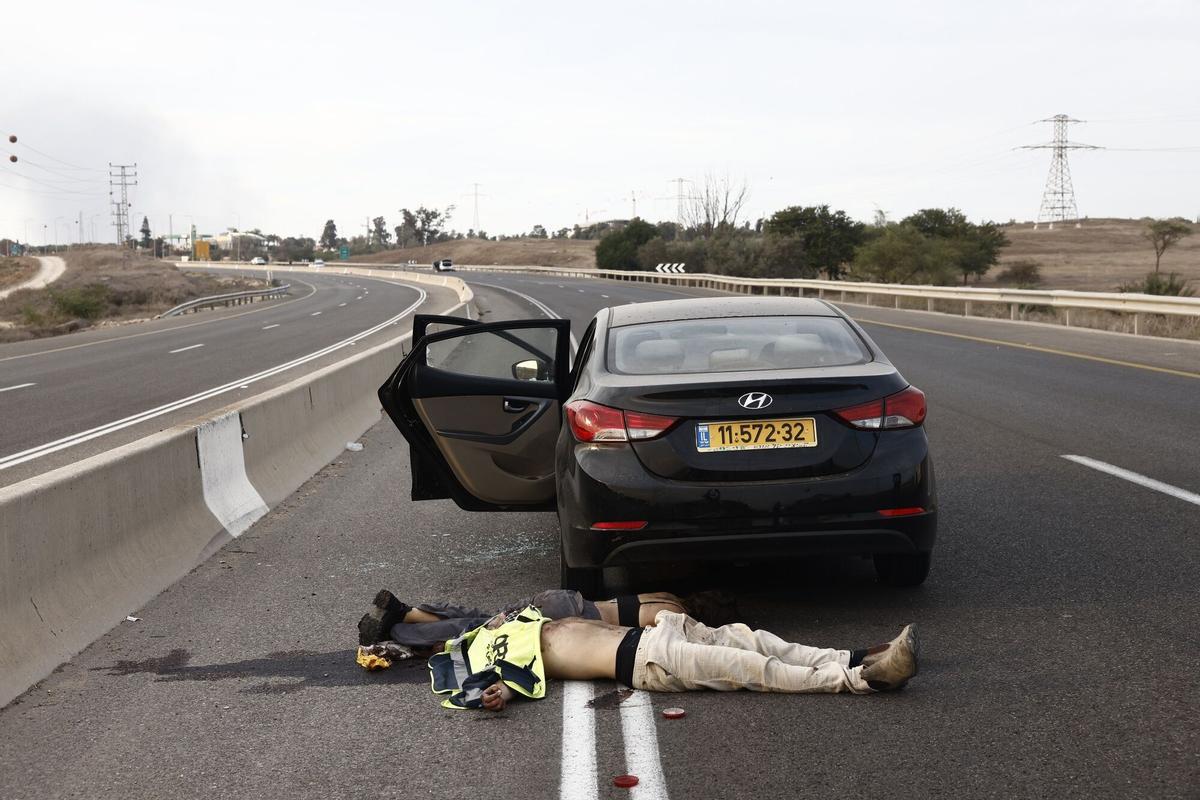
(481, 406)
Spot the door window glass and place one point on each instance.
(525, 354)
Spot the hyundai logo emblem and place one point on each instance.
(755, 400)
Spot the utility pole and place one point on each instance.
(475, 215)
(679, 182)
(633, 198)
(121, 176)
(80, 223)
(1058, 200)
(368, 227)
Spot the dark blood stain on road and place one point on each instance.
(309, 669)
(611, 699)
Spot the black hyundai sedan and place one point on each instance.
(727, 429)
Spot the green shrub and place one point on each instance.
(84, 302)
(1023, 273)
(1169, 285)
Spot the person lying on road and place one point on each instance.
(512, 656)
(428, 626)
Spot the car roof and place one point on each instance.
(716, 307)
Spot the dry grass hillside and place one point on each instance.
(1099, 255)
(16, 269)
(511, 252)
(106, 285)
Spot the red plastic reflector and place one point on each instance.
(643, 426)
(624, 525)
(901, 512)
(674, 713)
(592, 422)
(904, 409)
(625, 781)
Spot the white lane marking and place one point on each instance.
(579, 290)
(228, 493)
(111, 427)
(641, 747)
(545, 309)
(1140, 480)
(268, 327)
(315, 314)
(359, 297)
(604, 296)
(578, 780)
(341, 305)
(18, 386)
(183, 349)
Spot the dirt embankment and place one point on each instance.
(1100, 255)
(16, 269)
(511, 252)
(106, 286)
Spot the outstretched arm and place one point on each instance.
(496, 696)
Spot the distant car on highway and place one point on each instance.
(258, 261)
(320, 262)
(443, 265)
(711, 429)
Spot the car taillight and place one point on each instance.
(646, 426)
(904, 409)
(592, 422)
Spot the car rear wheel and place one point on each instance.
(902, 569)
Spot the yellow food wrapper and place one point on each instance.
(369, 661)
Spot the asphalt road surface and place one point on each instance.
(1058, 625)
(71, 396)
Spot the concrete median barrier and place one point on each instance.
(85, 545)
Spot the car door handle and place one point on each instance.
(512, 406)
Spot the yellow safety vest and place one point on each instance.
(469, 664)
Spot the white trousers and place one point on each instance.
(679, 654)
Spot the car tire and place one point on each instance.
(902, 569)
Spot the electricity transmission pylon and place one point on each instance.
(121, 176)
(1058, 200)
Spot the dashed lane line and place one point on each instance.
(270, 307)
(268, 327)
(184, 349)
(30, 454)
(315, 314)
(1139, 479)
(18, 386)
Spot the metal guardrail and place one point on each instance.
(1018, 300)
(234, 298)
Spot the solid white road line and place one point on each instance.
(641, 747)
(95, 433)
(1140, 480)
(268, 327)
(545, 309)
(182, 349)
(18, 386)
(578, 743)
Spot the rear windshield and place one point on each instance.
(734, 344)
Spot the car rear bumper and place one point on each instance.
(688, 521)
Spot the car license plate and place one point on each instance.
(757, 434)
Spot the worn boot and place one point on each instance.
(889, 666)
(376, 624)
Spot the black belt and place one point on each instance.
(626, 652)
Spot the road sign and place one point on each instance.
(673, 268)
(344, 253)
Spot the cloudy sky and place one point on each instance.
(281, 115)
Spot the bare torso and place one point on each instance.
(581, 649)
